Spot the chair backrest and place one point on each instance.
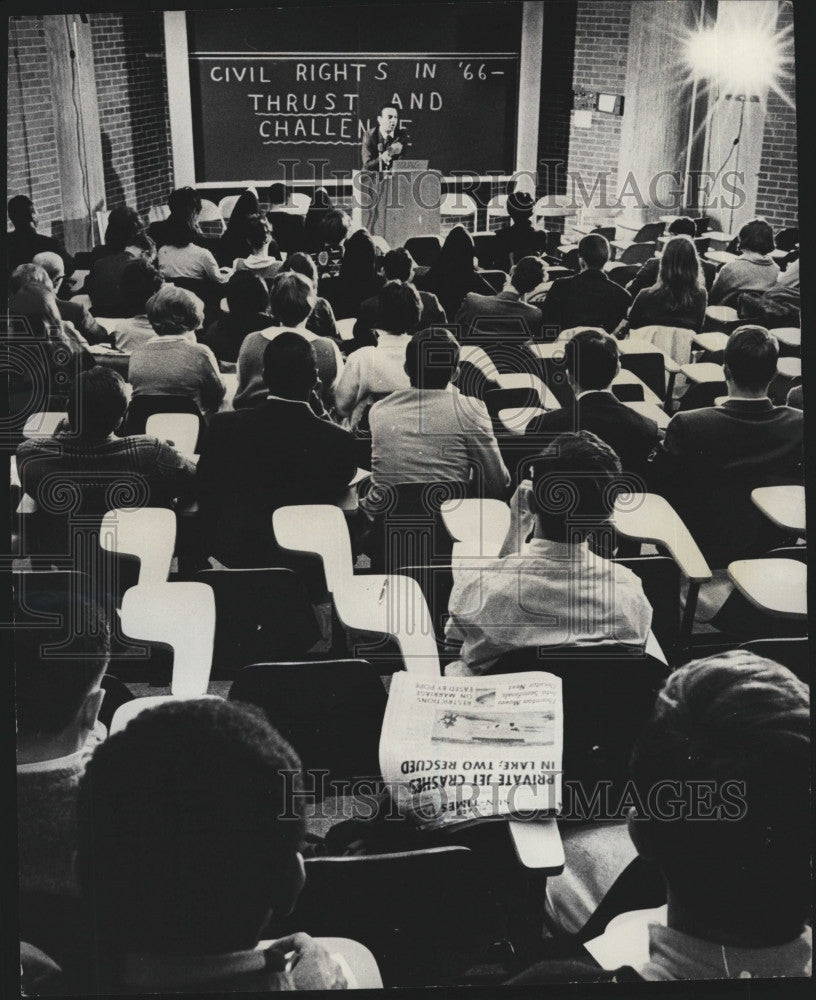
(623, 274)
(650, 233)
(178, 429)
(702, 394)
(660, 577)
(479, 525)
(181, 615)
(674, 341)
(260, 614)
(495, 278)
(345, 327)
(638, 253)
(226, 206)
(331, 711)
(157, 213)
(43, 424)
(301, 201)
(606, 231)
(457, 203)
(149, 533)
(787, 239)
(209, 212)
(130, 709)
(143, 406)
(791, 653)
(424, 249)
(322, 530)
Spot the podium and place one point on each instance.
(399, 204)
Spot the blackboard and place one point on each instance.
(287, 93)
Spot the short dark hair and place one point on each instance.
(51, 685)
(738, 720)
(431, 358)
(398, 265)
(683, 226)
(382, 108)
(593, 249)
(257, 231)
(519, 205)
(750, 356)
(528, 274)
(278, 194)
(185, 840)
(592, 358)
(575, 482)
(756, 235)
(97, 402)
(184, 201)
(20, 208)
(292, 298)
(400, 307)
(300, 263)
(247, 294)
(334, 227)
(139, 282)
(290, 369)
(123, 225)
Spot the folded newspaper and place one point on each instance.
(461, 749)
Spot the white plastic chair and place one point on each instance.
(478, 526)
(158, 213)
(300, 202)
(226, 205)
(102, 224)
(146, 532)
(526, 380)
(181, 615)
(460, 206)
(43, 424)
(480, 360)
(178, 429)
(345, 327)
(703, 371)
(210, 213)
(128, 711)
(776, 587)
(392, 605)
(791, 336)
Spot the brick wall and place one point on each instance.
(778, 189)
(133, 114)
(601, 48)
(33, 161)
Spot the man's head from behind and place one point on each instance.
(575, 481)
(188, 838)
(334, 228)
(750, 361)
(520, 206)
(97, 403)
(398, 265)
(290, 370)
(593, 251)
(292, 299)
(683, 226)
(400, 307)
(528, 274)
(52, 264)
(431, 358)
(22, 213)
(737, 862)
(593, 360)
(58, 669)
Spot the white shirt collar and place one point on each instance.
(283, 399)
(586, 392)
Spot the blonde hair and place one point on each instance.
(174, 310)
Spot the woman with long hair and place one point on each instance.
(359, 277)
(678, 298)
(454, 273)
(123, 226)
(233, 243)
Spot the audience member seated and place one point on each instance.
(123, 226)
(649, 272)
(453, 274)
(248, 304)
(186, 852)
(279, 197)
(181, 257)
(139, 283)
(552, 590)
(173, 363)
(46, 267)
(519, 239)
(752, 271)
(779, 306)
(233, 242)
(87, 446)
(259, 458)
(104, 280)
(290, 303)
(185, 207)
(261, 259)
(398, 265)
(319, 207)
(711, 458)
(374, 371)
(332, 231)
(25, 242)
(593, 361)
(57, 700)
(287, 225)
(678, 297)
(321, 319)
(737, 865)
(358, 278)
(589, 298)
(477, 311)
(429, 432)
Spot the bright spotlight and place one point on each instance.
(741, 59)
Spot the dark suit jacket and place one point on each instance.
(371, 147)
(257, 459)
(23, 245)
(587, 299)
(711, 459)
(77, 313)
(505, 311)
(647, 275)
(632, 436)
(519, 240)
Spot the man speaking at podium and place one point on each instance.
(385, 143)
